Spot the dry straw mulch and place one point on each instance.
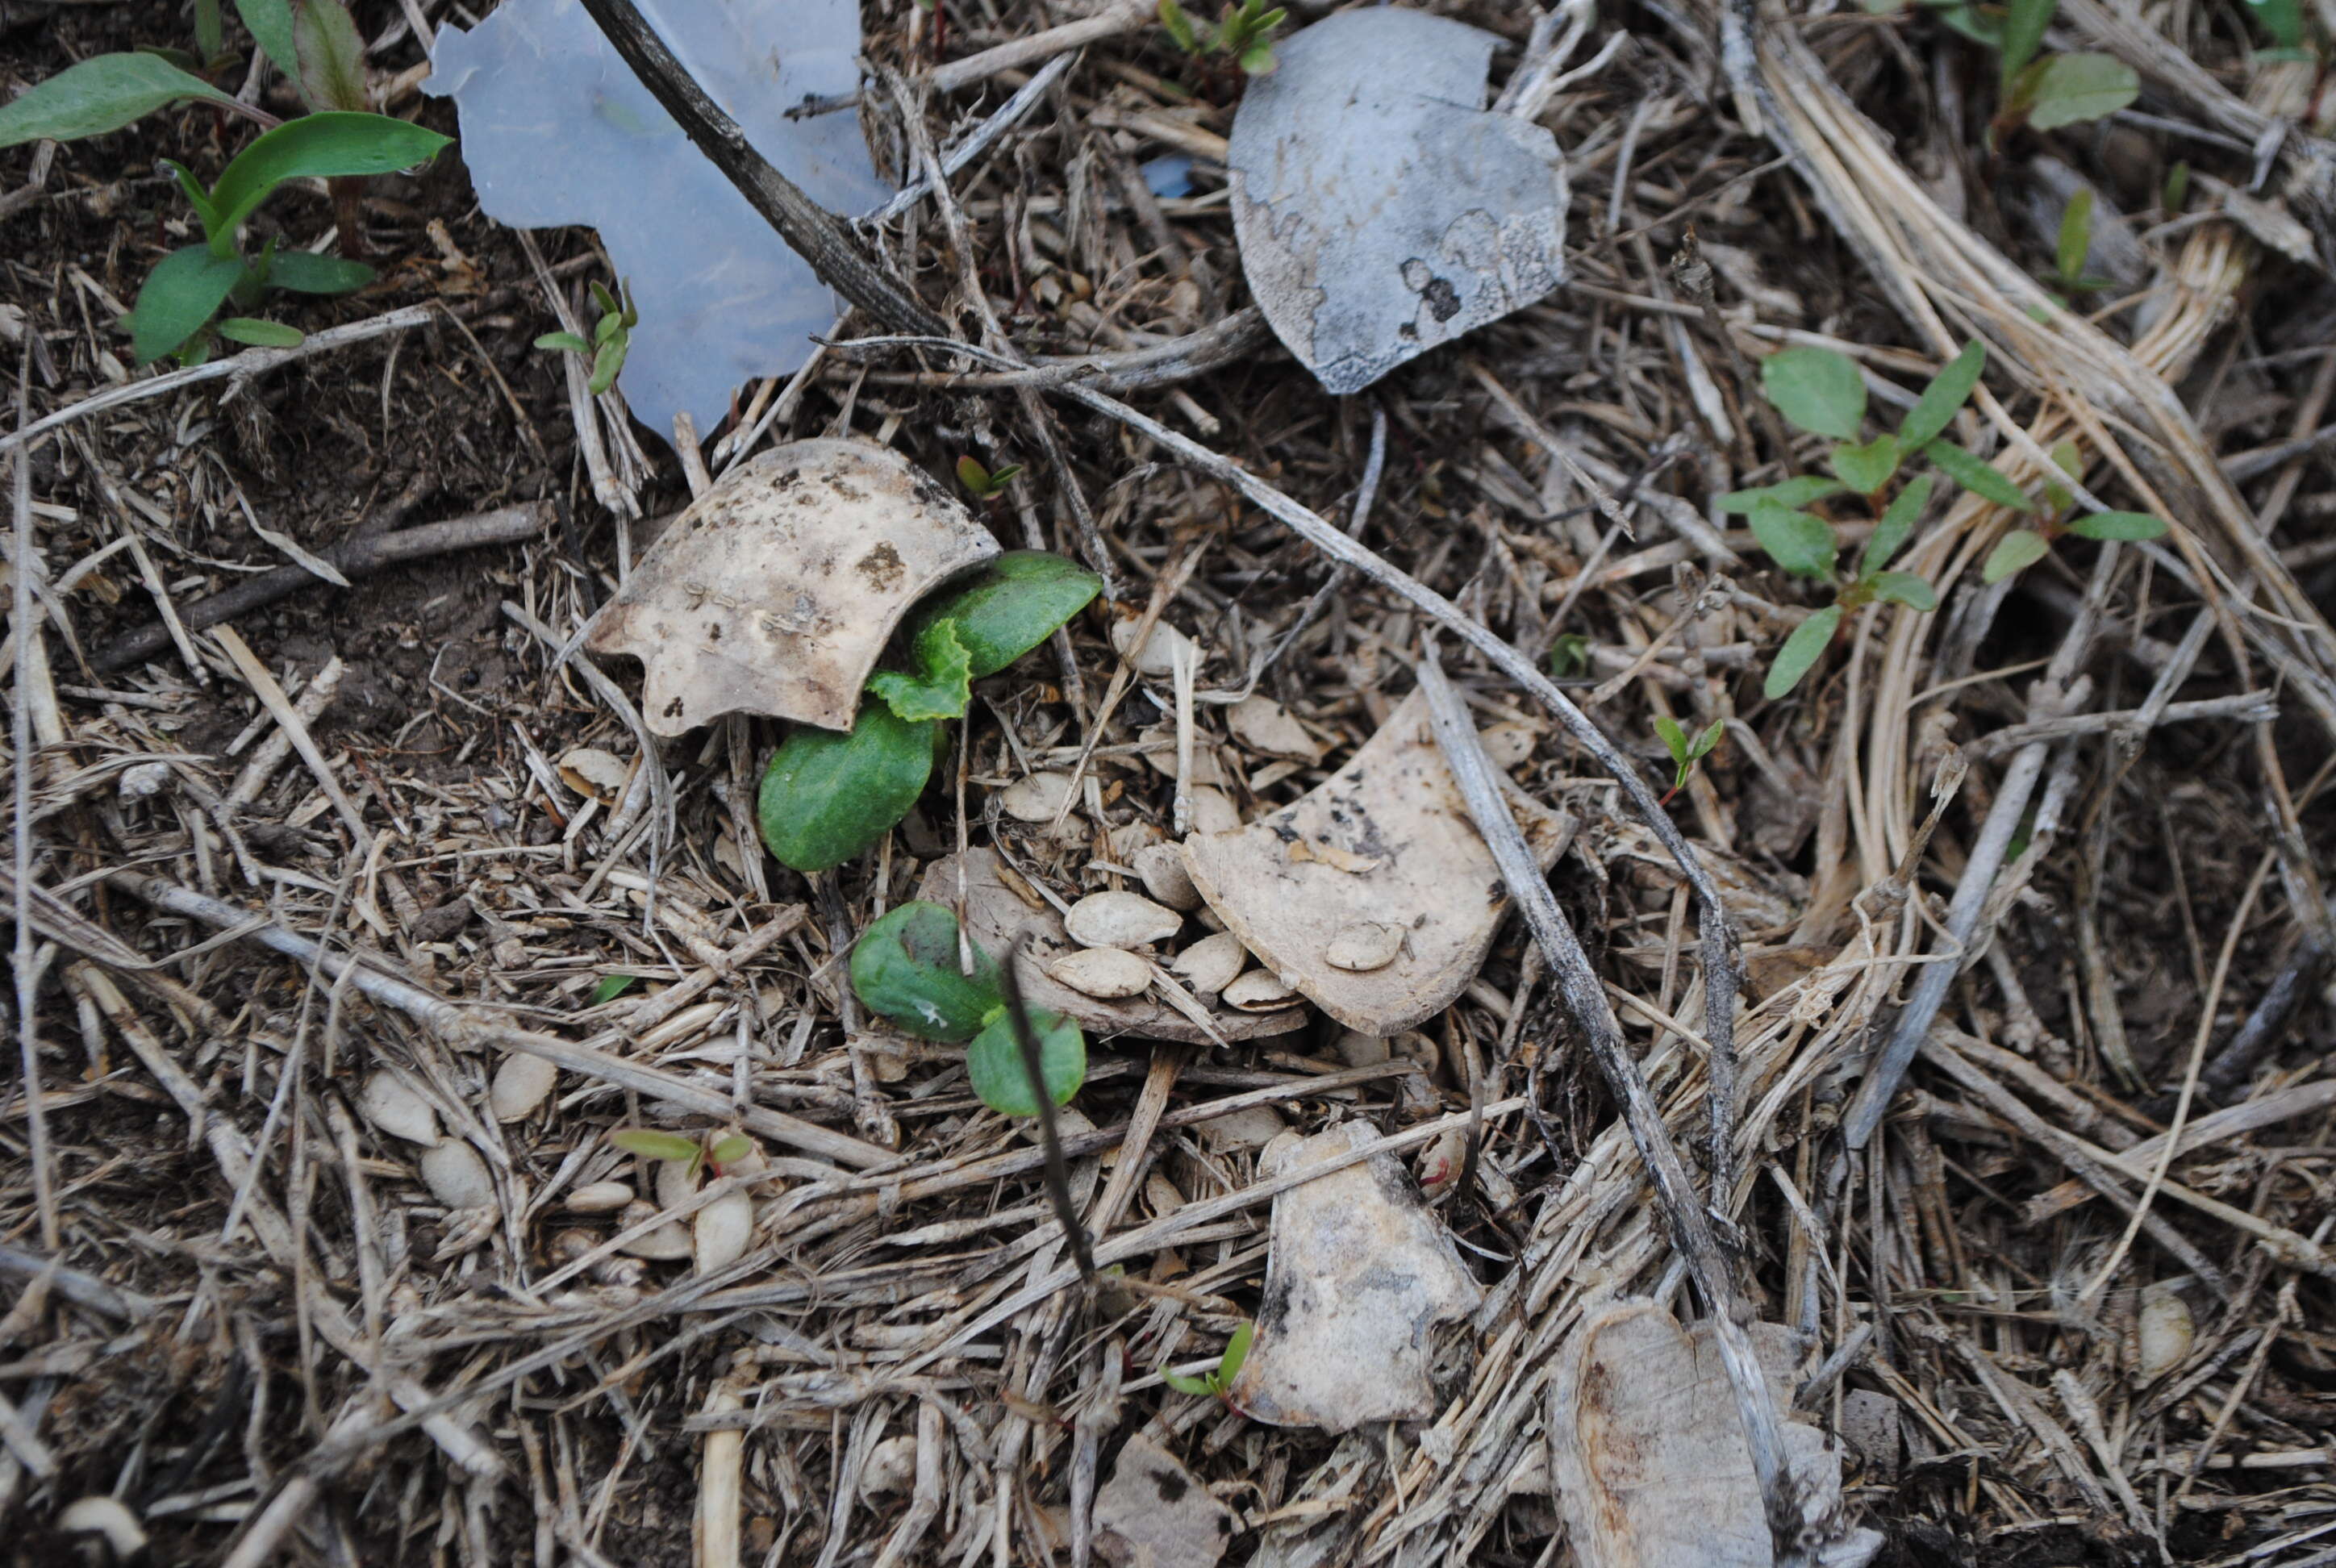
(263, 858)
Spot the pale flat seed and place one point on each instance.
(666, 1242)
(1162, 867)
(598, 1198)
(1213, 963)
(2165, 1331)
(1158, 655)
(456, 1176)
(1120, 920)
(1036, 797)
(1257, 991)
(720, 1231)
(1362, 947)
(1108, 974)
(521, 1084)
(394, 1107)
(676, 1182)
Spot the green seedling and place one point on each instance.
(2283, 23)
(611, 340)
(2024, 546)
(1569, 656)
(828, 797)
(907, 967)
(2045, 93)
(611, 987)
(2068, 278)
(697, 1154)
(1685, 750)
(1245, 34)
(1212, 1385)
(982, 483)
(314, 43)
(1821, 393)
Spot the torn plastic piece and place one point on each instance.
(556, 130)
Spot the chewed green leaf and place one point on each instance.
(1898, 520)
(940, 686)
(1980, 478)
(1943, 397)
(2129, 526)
(103, 93)
(1236, 1352)
(331, 54)
(1798, 541)
(1010, 606)
(300, 272)
(1866, 469)
(652, 1145)
(318, 146)
(2079, 87)
(1801, 651)
(826, 797)
(906, 966)
(1674, 737)
(178, 298)
(994, 1062)
(1817, 389)
(2015, 551)
(1904, 587)
(1792, 492)
(260, 334)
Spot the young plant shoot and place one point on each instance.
(828, 796)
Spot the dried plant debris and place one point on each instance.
(556, 131)
(1372, 896)
(1648, 1456)
(1155, 1514)
(1381, 209)
(1359, 1274)
(1000, 908)
(775, 591)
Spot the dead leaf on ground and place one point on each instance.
(775, 591)
(1358, 1275)
(1648, 1456)
(1381, 210)
(996, 916)
(1155, 1514)
(1383, 841)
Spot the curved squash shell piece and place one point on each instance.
(1385, 841)
(775, 591)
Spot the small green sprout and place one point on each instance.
(611, 987)
(1245, 34)
(1685, 750)
(1569, 656)
(906, 968)
(2024, 546)
(982, 483)
(695, 1152)
(1821, 393)
(2068, 278)
(1212, 1385)
(827, 797)
(612, 336)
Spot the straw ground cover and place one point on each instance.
(2022, 1116)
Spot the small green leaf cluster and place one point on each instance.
(1821, 393)
(314, 43)
(906, 968)
(2024, 546)
(695, 1152)
(612, 336)
(1685, 750)
(1212, 1385)
(1245, 34)
(828, 796)
(980, 483)
(2048, 93)
(1568, 655)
